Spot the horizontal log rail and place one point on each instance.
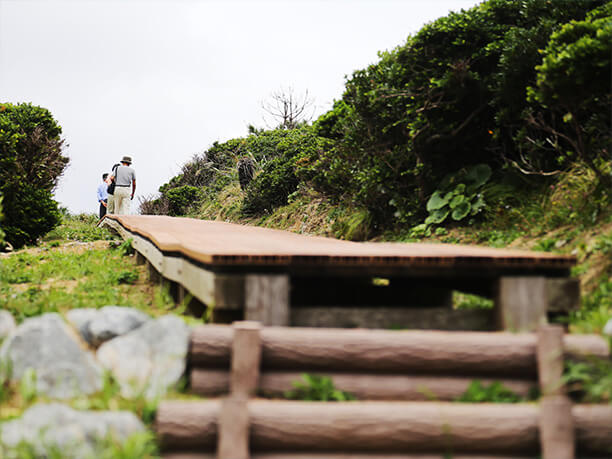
(379, 427)
(364, 386)
(387, 351)
(378, 366)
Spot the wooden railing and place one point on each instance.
(407, 367)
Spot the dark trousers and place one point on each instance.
(103, 209)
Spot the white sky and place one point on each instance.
(161, 80)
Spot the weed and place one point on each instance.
(140, 445)
(80, 227)
(494, 393)
(589, 381)
(59, 280)
(126, 248)
(545, 245)
(27, 386)
(469, 301)
(595, 310)
(317, 388)
(127, 277)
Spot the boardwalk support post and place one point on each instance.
(267, 298)
(521, 303)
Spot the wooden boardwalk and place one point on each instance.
(283, 278)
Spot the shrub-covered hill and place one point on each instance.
(474, 115)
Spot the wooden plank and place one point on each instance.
(267, 298)
(246, 359)
(521, 303)
(429, 318)
(224, 244)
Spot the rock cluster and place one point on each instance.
(69, 358)
(57, 427)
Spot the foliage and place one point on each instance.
(489, 87)
(573, 87)
(182, 198)
(589, 381)
(317, 388)
(57, 280)
(31, 163)
(595, 310)
(577, 198)
(459, 195)
(81, 227)
(495, 392)
(470, 301)
(2, 234)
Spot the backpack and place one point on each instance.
(111, 188)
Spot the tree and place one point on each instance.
(289, 109)
(31, 163)
(571, 96)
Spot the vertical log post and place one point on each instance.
(233, 442)
(557, 438)
(246, 358)
(267, 299)
(233, 437)
(521, 303)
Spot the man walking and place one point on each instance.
(125, 178)
(103, 195)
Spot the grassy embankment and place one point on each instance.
(80, 266)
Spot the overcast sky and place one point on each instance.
(161, 80)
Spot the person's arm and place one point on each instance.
(133, 188)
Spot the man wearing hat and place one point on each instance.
(125, 178)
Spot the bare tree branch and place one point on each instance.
(289, 109)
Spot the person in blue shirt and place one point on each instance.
(103, 195)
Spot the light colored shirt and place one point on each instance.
(124, 176)
(102, 194)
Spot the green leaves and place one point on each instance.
(460, 196)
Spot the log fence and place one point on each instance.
(396, 374)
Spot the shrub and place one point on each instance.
(182, 199)
(271, 187)
(31, 163)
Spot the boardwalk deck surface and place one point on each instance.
(284, 278)
(219, 244)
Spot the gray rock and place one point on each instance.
(75, 433)
(149, 359)
(607, 330)
(80, 318)
(48, 346)
(7, 324)
(99, 325)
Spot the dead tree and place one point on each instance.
(288, 108)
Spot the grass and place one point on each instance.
(80, 266)
(60, 275)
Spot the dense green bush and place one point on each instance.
(521, 88)
(453, 95)
(31, 163)
(183, 198)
